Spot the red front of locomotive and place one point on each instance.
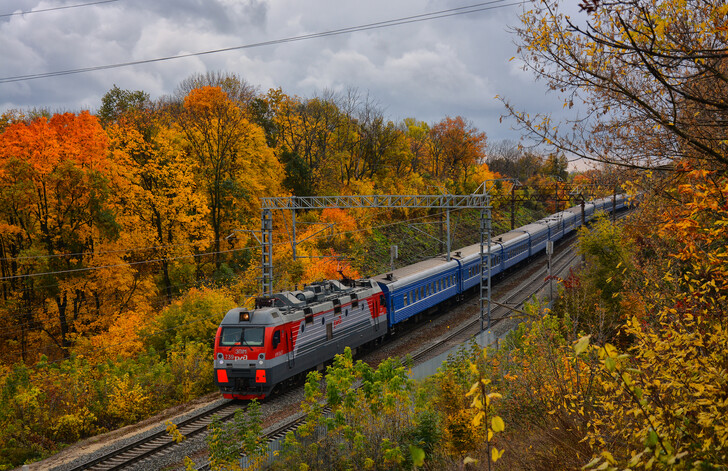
(247, 348)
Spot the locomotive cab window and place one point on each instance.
(244, 336)
(276, 338)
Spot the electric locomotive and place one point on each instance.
(292, 332)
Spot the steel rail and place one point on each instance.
(159, 441)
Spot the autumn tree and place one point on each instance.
(235, 87)
(648, 76)
(417, 134)
(234, 163)
(164, 198)
(56, 216)
(456, 146)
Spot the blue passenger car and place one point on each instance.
(538, 233)
(556, 227)
(469, 258)
(569, 219)
(416, 288)
(515, 247)
(576, 211)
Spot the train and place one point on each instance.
(290, 333)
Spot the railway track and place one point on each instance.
(161, 441)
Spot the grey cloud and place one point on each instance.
(424, 70)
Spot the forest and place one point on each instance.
(126, 233)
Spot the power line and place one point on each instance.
(143, 262)
(103, 252)
(491, 5)
(157, 260)
(64, 7)
(135, 338)
(498, 198)
(124, 264)
(154, 301)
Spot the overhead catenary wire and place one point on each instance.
(157, 260)
(117, 265)
(495, 199)
(104, 252)
(162, 259)
(137, 338)
(62, 7)
(154, 300)
(475, 8)
(18, 328)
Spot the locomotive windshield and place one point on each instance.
(250, 336)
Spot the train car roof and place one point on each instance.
(576, 210)
(566, 215)
(554, 220)
(424, 268)
(474, 249)
(504, 240)
(535, 227)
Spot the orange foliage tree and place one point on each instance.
(456, 147)
(57, 218)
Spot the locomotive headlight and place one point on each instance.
(260, 362)
(244, 316)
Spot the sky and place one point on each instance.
(428, 70)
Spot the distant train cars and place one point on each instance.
(292, 332)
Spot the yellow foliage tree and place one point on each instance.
(234, 163)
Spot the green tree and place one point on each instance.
(117, 103)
